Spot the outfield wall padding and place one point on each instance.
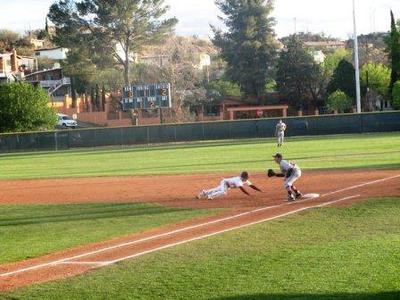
(255, 128)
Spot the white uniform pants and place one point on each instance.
(281, 137)
(289, 182)
(219, 191)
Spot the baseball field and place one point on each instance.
(124, 223)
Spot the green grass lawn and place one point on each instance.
(325, 253)
(346, 151)
(34, 230)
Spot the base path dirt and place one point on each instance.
(335, 187)
(175, 191)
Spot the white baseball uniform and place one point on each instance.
(296, 172)
(280, 132)
(225, 186)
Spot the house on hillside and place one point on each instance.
(58, 53)
(326, 45)
(14, 67)
(203, 60)
(153, 60)
(54, 81)
(37, 43)
(319, 56)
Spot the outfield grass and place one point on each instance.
(346, 151)
(325, 253)
(35, 230)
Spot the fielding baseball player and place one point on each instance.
(291, 172)
(226, 185)
(280, 132)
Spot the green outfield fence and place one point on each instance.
(255, 128)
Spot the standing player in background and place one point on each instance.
(291, 172)
(226, 185)
(280, 132)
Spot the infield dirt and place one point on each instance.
(175, 191)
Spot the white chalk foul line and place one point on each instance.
(87, 263)
(361, 185)
(226, 230)
(67, 260)
(106, 249)
(56, 262)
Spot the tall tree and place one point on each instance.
(249, 46)
(376, 77)
(103, 97)
(333, 59)
(46, 27)
(299, 77)
(396, 95)
(393, 49)
(80, 67)
(93, 98)
(113, 30)
(343, 79)
(98, 98)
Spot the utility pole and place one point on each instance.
(356, 61)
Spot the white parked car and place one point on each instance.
(65, 121)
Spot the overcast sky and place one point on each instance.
(330, 16)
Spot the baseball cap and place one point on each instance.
(278, 155)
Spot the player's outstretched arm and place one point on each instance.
(244, 191)
(255, 188)
(271, 173)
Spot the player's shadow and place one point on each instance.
(395, 295)
(89, 215)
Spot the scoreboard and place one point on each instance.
(147, 96)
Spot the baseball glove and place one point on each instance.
(289, 173)
(271, 173)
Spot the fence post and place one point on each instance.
(361, 123)
(257, 127)
(121, 135)
(55, 141)
(175, 133)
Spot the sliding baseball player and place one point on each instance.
(291, 172)
(228, 184)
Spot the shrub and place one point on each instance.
(396, 95)
(339, 101)
(24, 108)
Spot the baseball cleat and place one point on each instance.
(299, 195)
(201, 195)
(291, 198)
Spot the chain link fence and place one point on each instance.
(257, 128)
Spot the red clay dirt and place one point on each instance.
(174, 191)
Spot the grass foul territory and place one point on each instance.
(35, 230)
(325, 253)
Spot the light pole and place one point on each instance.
(356, 61)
